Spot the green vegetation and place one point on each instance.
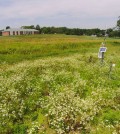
(55, 84)
(14, 49)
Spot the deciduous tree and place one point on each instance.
(7, 27)
(118, 23)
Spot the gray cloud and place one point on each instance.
(71, 13)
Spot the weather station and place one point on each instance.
(101, 52)
(102, 49)
(101, 55)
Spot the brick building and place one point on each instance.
(20, 31)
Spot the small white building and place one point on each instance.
(19, 31)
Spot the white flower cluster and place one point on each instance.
(68, 112)
(70, 92)
(35, 128)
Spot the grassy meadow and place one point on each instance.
(15, 49)
(55, 84)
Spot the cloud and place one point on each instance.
(77, 11)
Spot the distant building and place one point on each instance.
(19, 31)
(94, 35)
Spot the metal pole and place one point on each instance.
(110, 70)
(102, 59)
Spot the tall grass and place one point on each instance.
(18, 48)
(57, 85)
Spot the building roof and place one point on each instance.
(19, 29)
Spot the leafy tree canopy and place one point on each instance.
(118, 23)
(37, 27)
(7, 27)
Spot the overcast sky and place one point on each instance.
(69, 13)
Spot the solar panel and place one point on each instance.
(103, 49)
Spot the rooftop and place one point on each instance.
(18, 29)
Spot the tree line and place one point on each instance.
(111, 32)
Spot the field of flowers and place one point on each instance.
(70, 93)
